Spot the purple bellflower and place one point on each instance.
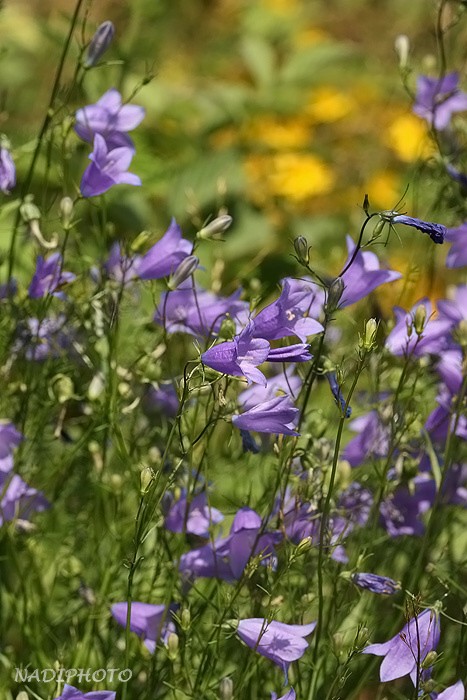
(69, 692)
(363, 276)
(119, 267)
(110, 119)
(49, 276)
(290, 313)
(454, 692)
(161, 399)
(437, 232)
(372, 441)
(376, 584)
(402, 653)
(443, 418)
(283, 384)
(457, 256)
(163, 257)
(437, 99)
(290, 695)
(18, 500)
(432, 338)
(277, 416)
(194, 516)
(7, 171)
(298, 352)
(240, 356)
(277, 641)
(401, 511)
(146, 620)
(108, 167)
(9, 438)
(455, 309)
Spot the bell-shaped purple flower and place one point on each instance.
(49, 276)
(290, 313)
(69, 692)
(9, 439)
(240, 356)
(7, 171)
(454, 692)
(110, 119)
(437, 99)
(277, 416)
(363, 276)
(164, 257)
(284, 384)
(120, 267)
(277, 641)
(108, 168)
(376, 584)
(401, 653)
(371, 442)
(195, 516)
(146, 620)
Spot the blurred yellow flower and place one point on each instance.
(329, 105)
(294, 176)
(310, 36)
(282, 6)
(279, 133)
(383, 189)
(409, 138)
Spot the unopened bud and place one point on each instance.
(146, 478)
(402, 47)
(96, 386)
(335, 292)
(66, 211)
(172, 646)
(63, 388)
(363, 635)
(140, 241)
(183, 271)
(419, 320)
(302, 250)
(99, 43)
(218, 225)
(22, 695)
(29, 212)
(185, 619)
(304, 545)
(429, 659)
(226, 689)
(367, 341)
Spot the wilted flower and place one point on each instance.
(277, 641)
(277, 416)
(417, 638)
(110, 119)
(375, 583)
(163, 258)
(146, 620)
(49, 276)
(437, 232)
(437, 99)
(7, 171)
(99, 43)
(71, 693)
(108, 168)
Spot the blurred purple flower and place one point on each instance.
(99, 43)
(240, 356)
(9, 439)
(363, 276)
(39, 340)
(119, 267)
(195, 516)
(355, 504)
(457, 256)
(161, 399)
(449, 368)
(18, 500)
(375, 583)
(164, 256)
(401, 511)
(454, 692)
(401, 653)
(290, 313)
(337, 393)
(372, 441)
(278, 416)
(437, 99)
(7, 171)
(443, 416)
(455, 309)
(69, 692)
(290, 695)
(277, 641)
(49, 276)
(457, 175)
(146, 620)
(110, 119)
(432, 339)
(108, 168)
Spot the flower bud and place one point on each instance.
(63, 388)
(140, 241)
(226, 689)
(183, 271)
(66, 211)
(146, 478)
(402, 47)
(302, 250)
(218, 225)
(22, 695)
(185, 619)
(99, 43)
(429, 659)
(335, 292)
(172, 646)
(367, 341)
(96, 386)
(419, 320)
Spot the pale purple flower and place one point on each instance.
(457, 256)
(7, 171)
(284, 384)
(438, 422)
(437, 99)
(432, 339)
(449, 368)
(110, 119)
(454, 692)
(372, 441)
(120, 267)
(194, 516)
(290, 313)
(290, 695)
(240, 356)
(146, 620)
(108, 168)
(376, 584)
(49, 277)
(18, 500)
(9, 439)
(277, 641)
(410, 646)
(277, 416)
(164, 257)
(355, 503)
(99, 43)
(69, 692)
(454, 309)
(363, 276)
